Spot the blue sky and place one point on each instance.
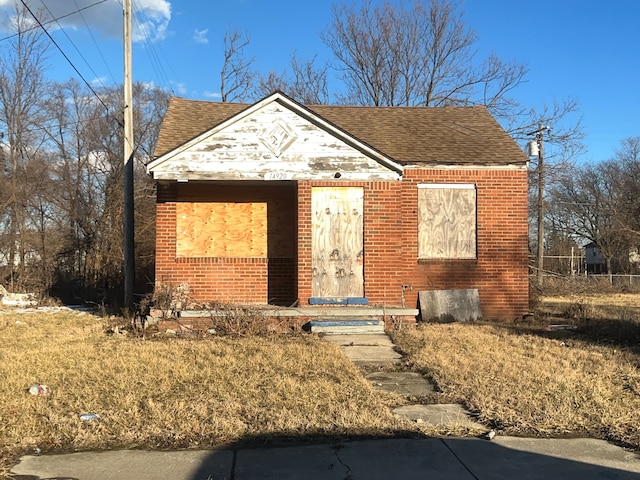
(585, 49)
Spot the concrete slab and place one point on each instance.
(343, 328)
(402, 459)
(537, 459)
(309, 462)
(128, 464)
(442, 415)
(504, 458)
(383, 459)
(371, 355)
(586, 450)
(409, 384)
(311, 312)
(366, 348)
(370, 339)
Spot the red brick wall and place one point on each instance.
(500, 271)
(391, 241)
(391, 248)
(241, 280)
(383, 264)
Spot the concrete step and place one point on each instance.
(366, 340)
(344, 326)
(440, 415)
(366, 349)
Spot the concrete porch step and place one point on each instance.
(344, 326)
(366, 349)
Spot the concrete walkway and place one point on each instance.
(447, 458)
(388, 459)
(376, 350)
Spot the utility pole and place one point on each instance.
(128, 221)
(539, 140)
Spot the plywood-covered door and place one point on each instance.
(337, 244)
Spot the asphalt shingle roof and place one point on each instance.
(408, 135)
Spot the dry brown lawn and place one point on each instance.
(610, 306)
(173, 392)
(527, 380)
(203, 392)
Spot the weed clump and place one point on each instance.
(237, 320)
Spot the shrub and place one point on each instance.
(237, 320)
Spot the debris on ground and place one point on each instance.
(17, 299)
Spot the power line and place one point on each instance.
(96, 45)
(151, 50)
(67, 58)
(54, 20)
(75, 46)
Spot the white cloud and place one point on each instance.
(200, 36)
(212, 94)
(180, 88)
(99, 81)
(150, 18)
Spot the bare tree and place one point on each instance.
(628, 157)
(22, 89)
(559, 135)
(307, 83)
(422, 55)
(150, 105)
(588, 204)
(236, 76)
(272, 82)
(86, 200)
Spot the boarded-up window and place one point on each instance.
(446, 220)
(221, 229)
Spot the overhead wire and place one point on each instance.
(69, 61)
(54, 20)
(71, 123)
(150, 48)
(75, 47)
(95, 43)
(156, 56)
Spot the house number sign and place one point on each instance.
(278, 176)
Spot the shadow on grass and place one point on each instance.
(615, 332)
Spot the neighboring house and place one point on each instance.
(634, 259)
(596, 263)
(279, 203)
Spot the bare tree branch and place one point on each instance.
(306, 84)
(421, 55)
(236, 76)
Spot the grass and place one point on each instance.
(188, 392)
(173, 392)
(526, 380)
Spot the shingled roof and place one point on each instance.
(407, 135)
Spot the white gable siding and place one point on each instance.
(271, 143)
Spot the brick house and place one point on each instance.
(279, 203)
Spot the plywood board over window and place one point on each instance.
(446, 220)
(221, 229)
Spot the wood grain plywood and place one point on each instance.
(337, 242)
(447, 221)
(221, 229)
